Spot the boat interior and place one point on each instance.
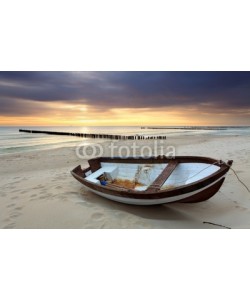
(150, 177)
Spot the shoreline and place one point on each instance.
(38, 191)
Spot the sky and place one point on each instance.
(124, 98)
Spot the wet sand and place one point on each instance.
(38, 191)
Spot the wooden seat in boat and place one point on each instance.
(159, 181)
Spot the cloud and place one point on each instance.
(19, 91)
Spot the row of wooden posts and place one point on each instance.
(99, 136)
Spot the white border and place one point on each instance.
(116, 35)
(136, 35)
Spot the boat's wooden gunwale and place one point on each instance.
(152, 160)
(161, 193)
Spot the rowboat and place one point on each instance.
(153, 180)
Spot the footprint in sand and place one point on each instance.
(14, 215)
(23, 192)
(14, 198)
(19, 208)
(40, 186)
(10, 226)
(16, 182)
(7, 220)
(10, 205)
(241, 208)
(34, 195)
(97, 216)
(64, 199)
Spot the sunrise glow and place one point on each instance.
(124, 98)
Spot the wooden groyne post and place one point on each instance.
(96, 136)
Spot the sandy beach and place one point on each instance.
(38, 191)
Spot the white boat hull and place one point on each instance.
(152, 201)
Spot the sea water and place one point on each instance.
(13, 141)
